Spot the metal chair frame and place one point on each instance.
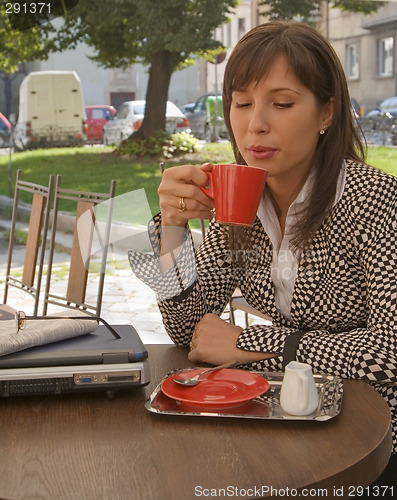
(74, 297)
(237, 301)
(36, 238)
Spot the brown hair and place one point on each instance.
(316, 65)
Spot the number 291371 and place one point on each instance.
(28, 8)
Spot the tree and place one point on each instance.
(27, 36)
(161, 34)
(26, 32)
(309, 9)
(17, 46)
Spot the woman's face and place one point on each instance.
(276, 124)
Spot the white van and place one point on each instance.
(51, 111)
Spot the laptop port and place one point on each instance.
(121, 378)
(108, 377)
(86, 380)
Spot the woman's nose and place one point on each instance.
(258, 123)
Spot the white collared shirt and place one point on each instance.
(285, 262)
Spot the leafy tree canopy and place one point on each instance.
(309, 9)
(161, 34)
(18, 46)
(121, 31)
(127, 31)
(363, 6)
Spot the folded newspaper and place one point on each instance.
(42, 331)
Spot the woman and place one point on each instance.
(321, 257)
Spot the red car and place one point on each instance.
(96, 117)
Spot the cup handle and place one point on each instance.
(209, 191)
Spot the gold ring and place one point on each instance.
(182, 205)
(191, 346)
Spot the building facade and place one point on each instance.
(114, 86)
(366, 46)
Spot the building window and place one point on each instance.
(117, 98)
(352, 62)
(241, 27)
(385, 56)
(228, 37)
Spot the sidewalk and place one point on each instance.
(126, 300)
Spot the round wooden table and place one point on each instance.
(84, 446)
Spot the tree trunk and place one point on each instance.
(161, 69)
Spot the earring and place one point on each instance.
(322, 131)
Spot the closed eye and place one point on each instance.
(283, 105)
(242, 104)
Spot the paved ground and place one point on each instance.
(126, 300)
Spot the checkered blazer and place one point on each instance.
(345, 295)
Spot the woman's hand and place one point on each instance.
(214, 342)
(180, 196)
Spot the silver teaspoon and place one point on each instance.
(189, 382)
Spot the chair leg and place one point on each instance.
(232, 319)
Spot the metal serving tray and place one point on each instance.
(267, 406)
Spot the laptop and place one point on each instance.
(91, 362)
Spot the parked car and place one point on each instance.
(96, 117)
(187, 107)
(128, 120)
(355, 107)
(51, 111)
(388, 105)
(5, 131)
(206, 118)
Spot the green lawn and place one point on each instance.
(93, 168)
(89, 169)
(384, 158)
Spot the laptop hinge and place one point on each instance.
(115, 357)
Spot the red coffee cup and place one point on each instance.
(236, 191)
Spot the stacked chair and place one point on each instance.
(86, 202)
(31, 279)
(42, 233)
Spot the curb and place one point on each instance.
(122, 237)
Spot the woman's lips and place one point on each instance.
(261, 152)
